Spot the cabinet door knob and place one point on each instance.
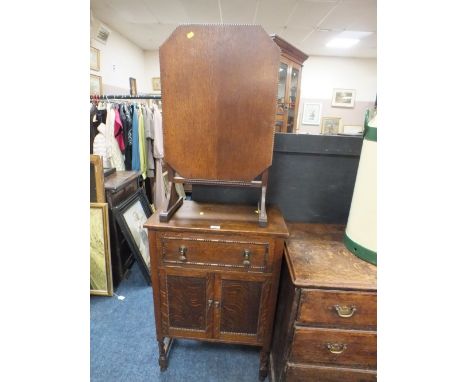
(182, 253)
(210, 302)
(216, 304)
(345, 311)
(336, 348)
(246, 261)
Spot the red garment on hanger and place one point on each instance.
(118, 130)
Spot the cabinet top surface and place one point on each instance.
(207, 217)
(119, 179)
(318, 258)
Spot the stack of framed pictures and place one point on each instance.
(131, 215)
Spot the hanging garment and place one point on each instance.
(112, 147)
(99, 145)
(135, 143)
(142, 142)
(126, 118)
(118, 129)
(149, 135)
(96, 118)
(160, 197)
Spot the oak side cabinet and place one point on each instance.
(215, 274)
(326, 320)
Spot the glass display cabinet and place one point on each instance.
(289, 85)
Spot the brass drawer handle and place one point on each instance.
(345, 311)
(246, 261)
(210, 302)
(336, 348)
(216, 304)
(182, 253)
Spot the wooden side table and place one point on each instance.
(325, 326)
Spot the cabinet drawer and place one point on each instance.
(338, 309)
(354, 348)
(216, 252)
(308, 373)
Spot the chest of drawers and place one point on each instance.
(215, 276)
(326, 321)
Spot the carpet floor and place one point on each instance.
(123, 344)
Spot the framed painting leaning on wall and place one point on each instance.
(100, 260)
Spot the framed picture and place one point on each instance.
(133, 87)
(100, 260)
(353, 129)
(330, 126)
(95, 59)
(311, 113)
(97, 194)
(131, 215)
(343, 97)
(156, 83)
(95, 85)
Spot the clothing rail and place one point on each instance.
(125, 96)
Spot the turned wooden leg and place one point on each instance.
(263, 372)
(162, 355)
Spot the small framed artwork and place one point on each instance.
(97, 193)
(330, 126)
(156, 84)
(95, 85)
(100, 260)
(95, 59)
(353, 129)
(343, 97)
(131, 215)
(133, 87)
(311, 114)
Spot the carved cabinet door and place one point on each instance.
(240, 306)
(186, 302)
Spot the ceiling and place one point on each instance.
(307, 24)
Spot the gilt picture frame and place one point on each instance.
(331, 126)
(133, 87)
(100, 259)
(343, 98)
(130, 216)
(156, 81)
(95, 59)
(95, 85)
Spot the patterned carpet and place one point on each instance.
(123, 344)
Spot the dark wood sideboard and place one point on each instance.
(215, 275)
(326, 320)
(119, 186)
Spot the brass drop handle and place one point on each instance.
(216, 304)
(336, 348)
(246, 261)
(210, 302)
(345, 311)
(182, 253)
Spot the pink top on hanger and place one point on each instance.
(118, 131)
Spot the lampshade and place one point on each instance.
(361, 230)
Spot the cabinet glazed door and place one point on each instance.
(186, 303)
(239, 307)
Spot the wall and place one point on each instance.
(151, 67)
(120, 60)
(320, 75)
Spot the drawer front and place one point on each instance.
(241, 254)
(118, 197)
(307, 373)
(352, 348)
(338, 309)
